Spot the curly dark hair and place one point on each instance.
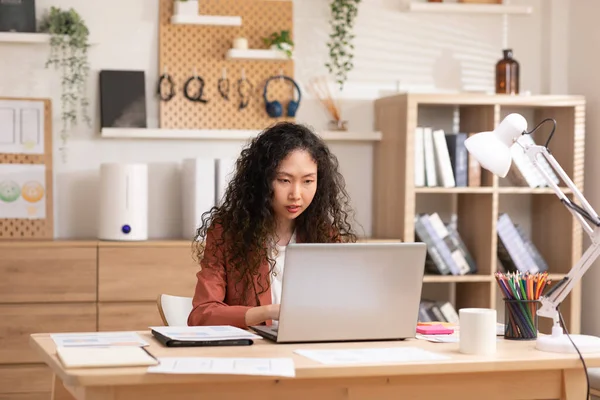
(246, 215)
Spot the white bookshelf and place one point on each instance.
(256, 54)
(467, 8)
(215, 20)
(223, 134)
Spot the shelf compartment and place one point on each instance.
(476, 225)
(475, 294)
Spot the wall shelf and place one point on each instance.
(215, 20)
(27, 37)
(467, 8)
(221, 134)
(24, 37)
(256, 54)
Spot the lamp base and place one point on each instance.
(558, 342)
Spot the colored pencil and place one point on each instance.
(521, 292)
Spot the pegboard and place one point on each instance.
(16, 228)
(183, 48)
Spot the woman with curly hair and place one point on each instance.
(286, 188)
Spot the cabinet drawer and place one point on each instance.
(45, 274)
(142, 273)
(19, 321)
(32, 378)
(128, 316)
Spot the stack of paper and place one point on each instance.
(102, 349)
(98, 357)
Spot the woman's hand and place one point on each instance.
(258, 315)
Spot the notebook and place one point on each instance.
(99, 357)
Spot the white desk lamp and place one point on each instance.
(492, 151)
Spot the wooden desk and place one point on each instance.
(517, 371)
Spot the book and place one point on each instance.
(102, 357)
(192, 336)
(458, 157)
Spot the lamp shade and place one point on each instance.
(492, 149)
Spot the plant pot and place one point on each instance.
(189, 7)
(284, 48)
(338, 125)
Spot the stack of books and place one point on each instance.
(446, 251)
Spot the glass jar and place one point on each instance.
(507, 74)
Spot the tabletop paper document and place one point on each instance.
(227, 366)
(98, 357)
(371, 356)
(98, 339)
(207, 333)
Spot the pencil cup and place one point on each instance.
(477, 331)
(521, 320)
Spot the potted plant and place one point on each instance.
(280, 41)
(185, 7)
(68, 54)
(343, 15)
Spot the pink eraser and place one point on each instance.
(434, 330)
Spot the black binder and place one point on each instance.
(169, 342)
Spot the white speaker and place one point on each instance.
(123, 202)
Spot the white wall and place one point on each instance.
(584, 38)
(394, 51)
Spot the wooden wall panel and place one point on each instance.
(183, 48)
(34, 378)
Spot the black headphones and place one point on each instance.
(274, 108)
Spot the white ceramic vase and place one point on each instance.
(189, 7)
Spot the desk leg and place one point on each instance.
(574, 384)
(59, 392)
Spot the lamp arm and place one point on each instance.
(585, 214)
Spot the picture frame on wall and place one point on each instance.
(17, 16)
(122, 99)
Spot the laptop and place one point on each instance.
(349, 292)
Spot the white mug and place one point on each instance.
(477, 331)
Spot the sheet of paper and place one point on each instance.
(21, 127)
(438, 338)
(23, 191)
(204, 332)
(228, 366)
(94, 339)
(371, 356)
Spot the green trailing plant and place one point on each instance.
(341, 48)
(68, 54)
(282, 41)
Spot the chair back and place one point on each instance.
(174, 310)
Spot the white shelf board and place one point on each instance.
(256, 54)
(26, 37)
(206, 20)
(468, 8)
(221, 134)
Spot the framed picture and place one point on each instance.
(122, 99)
(17, 16)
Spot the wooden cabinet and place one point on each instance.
(19, 321)
(141, 273)
(25, 382)
(130, 316)
(48, 274)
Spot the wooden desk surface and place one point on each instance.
(511, 356)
